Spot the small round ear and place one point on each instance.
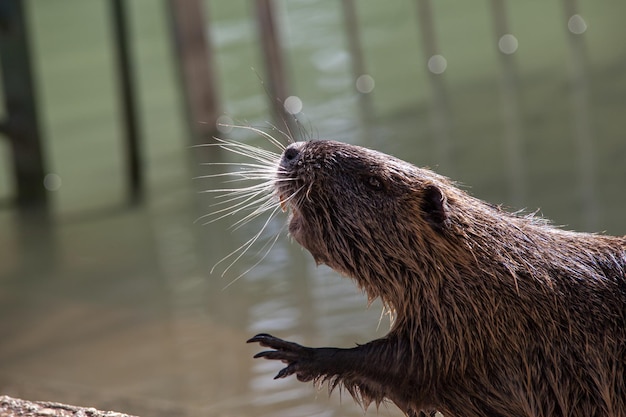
(435, 206)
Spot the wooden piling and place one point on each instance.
(357, 59)
(21, 125)
(440, 116)
(128, 100)
(581, 118)
(511, 108)
(275, 73)
(196, 68)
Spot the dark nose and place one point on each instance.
(291, 155)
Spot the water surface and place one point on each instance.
(115, 307)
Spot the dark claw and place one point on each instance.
(298, 358)
(263, 354)
(276, 355)
(260, 338)
(270, 341)
(285, 372)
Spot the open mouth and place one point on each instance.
(283, 202)
(285, 194)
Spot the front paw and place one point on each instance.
(300, 360)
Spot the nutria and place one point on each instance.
(496, 313)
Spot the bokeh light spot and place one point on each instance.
(293, 105)
(52, 182)
(577, 25)
(508, 44)
(437, 64)
(365, 83)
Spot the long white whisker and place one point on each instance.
(241, 200)
(259, 177)
(260, 260)
(266, 206)
(268, 159)
(247, 150)
(247, 218)
(244, 149)
(250, 175)
(266, 135)
(252, 188)
(256, 198)
(244, 248)
(294, 195)
(287, 135)
(246, 174)
(232, 142)
(239, 164)
(234, 196)
(232, 210)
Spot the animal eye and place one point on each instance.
(374, 183)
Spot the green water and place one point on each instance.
(115, 307)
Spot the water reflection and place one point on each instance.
(128, 317)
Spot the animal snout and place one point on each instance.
(291, 155)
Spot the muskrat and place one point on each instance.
(495, 313)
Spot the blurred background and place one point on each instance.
(106, 295)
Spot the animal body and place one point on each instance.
(496, 314)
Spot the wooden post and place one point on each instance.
(511, 112)
(356, 58)
(21, 126)
(195, 67)
(128, 102)
(579, 96)
(440, 112)
(35, 237)
(277, 83)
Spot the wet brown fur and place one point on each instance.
(496, 314)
